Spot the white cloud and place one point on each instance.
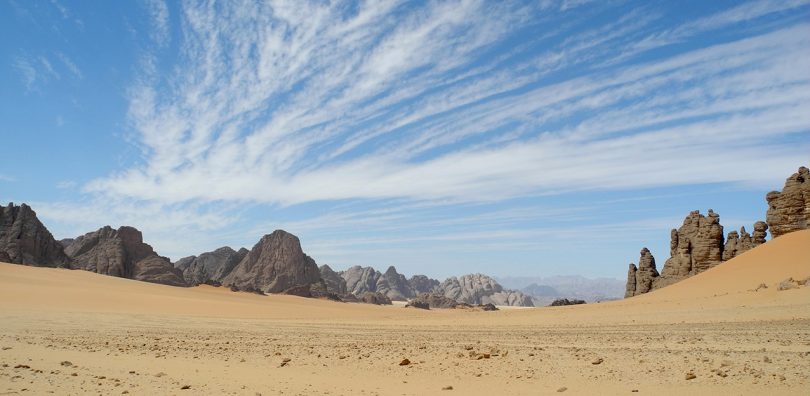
(159, 14)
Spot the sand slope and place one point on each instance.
(122, 335)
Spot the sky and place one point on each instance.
(516, 138)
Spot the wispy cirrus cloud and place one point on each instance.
(430, 107)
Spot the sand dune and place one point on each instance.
(127, 336)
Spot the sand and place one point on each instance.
(74, 332)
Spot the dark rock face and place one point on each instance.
(211, 266)
(275, 264)
(334, 282)
(739, 243)
(640, 280)
(432, 300)
(25, 240)
(122, 253)
(564, 301)
(375, 298)
(423, 284)
(789, 210)
(394, 285)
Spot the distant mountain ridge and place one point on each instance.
(276, 264)
(545, 290)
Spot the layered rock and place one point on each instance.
(739, 243)
(275, 264)
(334, 282)
(789, 209)
(210, 267)
(695, 247)
(642, 278)
(122, 253)
(564, 301)
(25, 240)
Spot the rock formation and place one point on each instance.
(334, 282)
(640, 280)
(210, 267)
(481, 289)
(739, 243)
(122, 253)
(276, 263)
(361, 279)
(789, 210)
(564, 301)
(695, 247)
(423, 284)
(375, 298)
(25, 240)
(432, 300)
(394, 285)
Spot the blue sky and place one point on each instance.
(529, 138)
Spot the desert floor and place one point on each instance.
(73, 332)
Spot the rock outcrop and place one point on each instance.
(432, 300)
(375, 298)
(334, 282)
(641, 279)
(275, 264)
(789, 210)
(210, 267)
(394, 285)
(564, 301)
(423, 284)
(360, 279)
(694, 247)
(25, 240)
(481, 289)
(122, 253)
(739, 243)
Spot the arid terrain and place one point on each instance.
(76, 332)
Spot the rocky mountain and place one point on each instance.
(394, 285)
(122, 253)
(210, 267)
(482, 289)
(544, 290)
(276, 263)
(789, 209)
(334, 282)
(25, 240)
(698, 244)
(423, 284)
(360, 279)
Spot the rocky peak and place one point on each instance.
(122, 253)
(361, 279)
(210, 267)
(789, 209)
(641, 280)
(276, 263)
(423, 284)
(394, 285)
(334, 282)
(25, 240)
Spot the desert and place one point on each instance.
(74, 332)
(365, 197)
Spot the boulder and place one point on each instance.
(122, 253)
(25, 240)
(789, 209)
(275, 264)
(334, 282)
(210, 267)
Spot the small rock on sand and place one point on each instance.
(449, 387)
(690, 376)
(404, 362)
(562, 389)
(598, 361)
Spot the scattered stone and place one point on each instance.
(788, 284)
(597, 361)
(66, 363)
(160, 374)
(449, 387)
(690, 376)
(404, 362)
(562, 389)
(184, 387)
